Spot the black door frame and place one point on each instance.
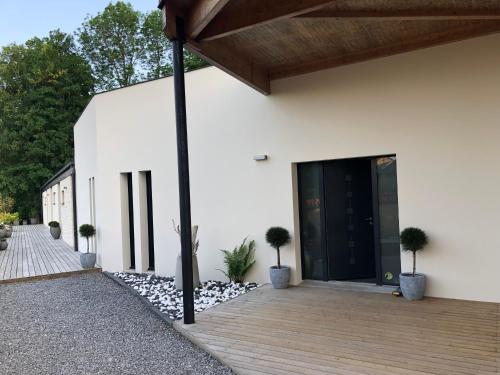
(375, 215)
(131, 233)
(149, 206)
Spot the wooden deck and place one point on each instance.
(314, 330)
(33, 253)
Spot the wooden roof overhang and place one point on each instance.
(258, 41)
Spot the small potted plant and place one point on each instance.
(87, 259)
(239, 261)
(412, 283)
(33, 217)
(3, 240)
(55, 229)
(279, 274)
(3, 230)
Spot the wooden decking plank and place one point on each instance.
(309, 329)
(32, 252)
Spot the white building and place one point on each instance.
(58, 203)
(332, 139)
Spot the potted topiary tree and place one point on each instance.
(280, 275)
(412, 283)
(55, 229)
(3, 240)
(87, 259)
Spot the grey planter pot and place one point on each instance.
(413, 287)
(3, 244)
(55, 232)
(33, 220)
(3, 233)
(8, 231)
(25, 222)
(87, 260)
(178, 273)
(280, 277)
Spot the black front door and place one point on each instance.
(349, 220)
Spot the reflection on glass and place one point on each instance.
(389, 220)
(310, 205)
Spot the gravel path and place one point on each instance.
(89, 325)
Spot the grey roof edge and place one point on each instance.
(60, 175)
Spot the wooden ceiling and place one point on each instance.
(258, 41)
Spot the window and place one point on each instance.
(62, 197)
(54, 198)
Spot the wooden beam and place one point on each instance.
(235, 65)
(244, 14)
(407, 14)
(202, 12)
(424, 41)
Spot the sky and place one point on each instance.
(21, 20)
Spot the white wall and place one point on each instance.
(86, 167)
(57, 204)
(438, 110)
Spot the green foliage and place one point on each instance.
(239, 261)
(6, 203)
(44, 86)
(53, 224)
(277, 237)
(87, 230)
(112, 44)
(413, 239)
(8, 218)
(157, 57)
(125, 46)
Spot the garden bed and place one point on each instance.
(162, 293)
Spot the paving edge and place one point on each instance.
(50, 276)
(142, 299)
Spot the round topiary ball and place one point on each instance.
(413, 239)
(87, 230)
(277, 237)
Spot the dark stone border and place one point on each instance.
(143, 299)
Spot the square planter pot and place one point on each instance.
(413, 287)
(280, 277)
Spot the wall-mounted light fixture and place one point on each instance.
(260, 157)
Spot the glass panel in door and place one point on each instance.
(310, 195)
(389, 219)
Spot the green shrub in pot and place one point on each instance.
(55, 229)
(278, 237)
(413, 283)
(87, 259)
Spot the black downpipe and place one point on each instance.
(183, 168)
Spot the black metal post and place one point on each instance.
(183, 167)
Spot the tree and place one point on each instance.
(112, 43)
(44, 86)
(157, 57)
(125, 46)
